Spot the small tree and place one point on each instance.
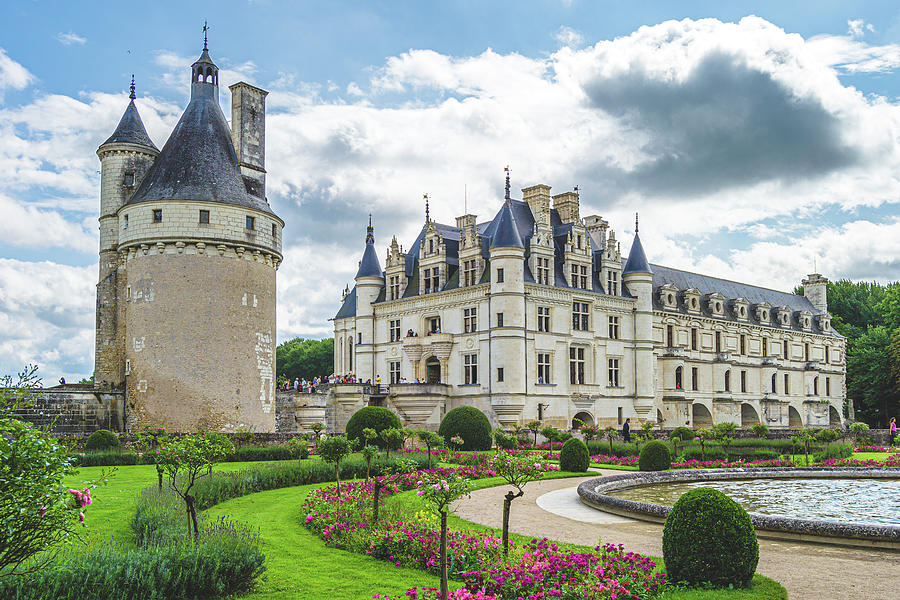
(611, 434)
(703, 435)
(392, 438)
(439, 492)
(298, 446)
(517, 471)
(370, 434)
(431, 440)
(680, 434)
(760, 430)
(534, 427)
(333, 450)
(724, 434)
(369, 452)
(551, 433)
(645, 436)
(860, 432)
(590, 432)
(407, 434)
(803, 438)
(316, 428)
(187, 459)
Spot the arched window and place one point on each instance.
(816, 386)
(679, 372)
(727, 381)
(350, 353)
(774, 381)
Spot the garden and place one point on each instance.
(360, 515)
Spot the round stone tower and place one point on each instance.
(198, 247)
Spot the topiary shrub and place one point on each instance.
(102, 439)
(574, 456)
(470, 424)
(708, 537)
(684, 434)
(654, 457)
(374, 417)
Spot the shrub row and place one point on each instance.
(115, 458)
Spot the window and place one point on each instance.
(124, 221)
(806, 351)
(469, 272)
(578, 241)
(579, 277)
(785, 349)
(430, 246)
(499, 373)
(393, 287)
(470, 369)
(540, 412)
(743, 344)
(828, 386)
(619, 415)
(274, 230)
(613, 364)
(127, 292)
(787, 384)
(470, 320)
(359, 341)
(250, 222)
(350, 352)
(204, 216)
(580, 316)
(543, 271)
(127, 366)
(670, 336)
(157, 215)
(774, 383)
(693, 338)
(499, 319)
(129, 179)
(499, 275)
(394, 368)
(576, 365)
(543, 318)
(679, 375)
(694, 377)
(765, 343)
(718, 341)
(612, 283)
(743, 382)
(727, 381)
(816, 386)
(827, 355)
(614, 328)
(543, 367)
(433, 324)
(432, 279)
(395, 330)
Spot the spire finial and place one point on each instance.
(427, 211)
(506, 169)
(635, 223)
(131, 95)
(205, 29)
(370, 232)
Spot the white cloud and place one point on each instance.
(28, 226)
(12, 74)
(566, 36)
(858, 27)
(67, 39)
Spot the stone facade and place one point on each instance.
(582, 333)
(73, 409)
(189, 248)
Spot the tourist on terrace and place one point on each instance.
(626, 431)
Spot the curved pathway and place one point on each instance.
(808, 571)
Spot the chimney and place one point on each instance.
(538, 199)
(248, 134)
(815, 287)
(566, 204)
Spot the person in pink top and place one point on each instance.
(893, 428)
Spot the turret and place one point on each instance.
(204, 76)
(815, 287)
(369, 283)
(638, 279)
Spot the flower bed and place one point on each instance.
(606, 459)
(891, 461)
(873, 449)
(739, 464)
(538, 570)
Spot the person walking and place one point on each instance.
(893, 429)
(626, 431)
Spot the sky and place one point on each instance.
(758, 141)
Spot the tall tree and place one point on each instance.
(869, 381)
(301, 358)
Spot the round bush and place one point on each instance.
(102, 439)
(373, 417)
(708, 537)
(574, 456)
(470, 424)
(654, 456)
(685, 434)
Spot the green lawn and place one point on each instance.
(299, 565)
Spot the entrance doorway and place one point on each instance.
(432, 370)
(794, 420)
(700, 415)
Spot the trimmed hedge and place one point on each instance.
(574, 456)
(708, 537)
(470, 424)
(373, 417)
(116, 458)
(655, 456)
(685, 434)
(102, 439)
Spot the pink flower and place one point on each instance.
(81, 518)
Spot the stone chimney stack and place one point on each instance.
(248, 134)
(538, 199)
(815, 288)
(566, 204)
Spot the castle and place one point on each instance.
(189, 246)
(536, 314)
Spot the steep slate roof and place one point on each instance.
(637, 259)
(506, 234)
(369, 265)
(131, 129)
(198, 161)
(348, 308)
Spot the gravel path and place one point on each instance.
(807, 570)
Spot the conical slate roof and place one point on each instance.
(198, 161)
(131, 129)
(506, 235)
(369, 265)
(637, 260)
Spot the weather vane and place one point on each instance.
(506, 170)
(427, 213)
(205, 29)
(635, 222)
(131, 95)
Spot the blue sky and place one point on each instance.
(755, 138)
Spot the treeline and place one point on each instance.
(868, 314)
(301, 358)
